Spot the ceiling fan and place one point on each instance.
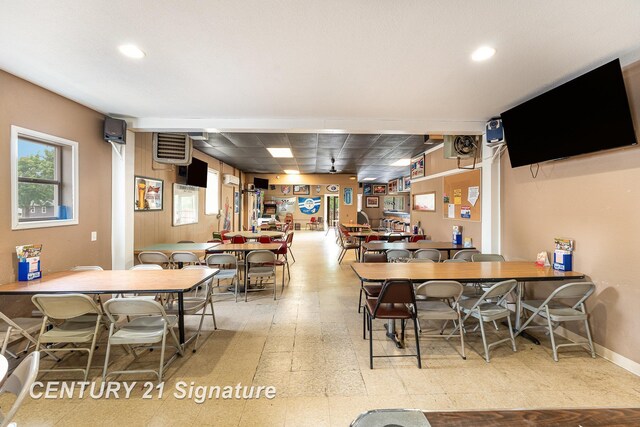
(333, 166)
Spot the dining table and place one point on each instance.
(465, 272)
(350, 226)
(414, 246)
(101, 282)
(250, 235)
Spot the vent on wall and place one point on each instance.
(172, 148)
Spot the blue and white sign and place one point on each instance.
(309, 205)
(348, 196)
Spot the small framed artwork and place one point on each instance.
(285, 189)
(303, 190)
(367, 189)
(372, 202)
(407, 183)
(149, 194)
(425, 202)
(348, 196)
(417, 167)
(379, 189)
(392, 186)
(333, 188)
(400, 185)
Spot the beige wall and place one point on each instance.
(156, 227)
(594, 200)
(347, 213)
(27, 105)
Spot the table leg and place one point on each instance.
(181, 317)
(392, 334)
(518, 322)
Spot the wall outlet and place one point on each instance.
(94, 236)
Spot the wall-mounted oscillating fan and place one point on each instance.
(461, 147)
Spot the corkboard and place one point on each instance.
(460, 183)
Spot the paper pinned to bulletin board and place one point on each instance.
(464, 189)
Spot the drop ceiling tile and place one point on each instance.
(244, 139)
(303, 139)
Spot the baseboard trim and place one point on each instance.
(605, 353)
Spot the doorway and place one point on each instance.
(332, 209)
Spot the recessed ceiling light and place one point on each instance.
(280, 152)
(291, 172)
(352, 178)
(483, 53)
(402, 162)
(131, 51)
(368, 179)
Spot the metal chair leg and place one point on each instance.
(484, 340)
(586, 326)
(553, 340)
(415, 329)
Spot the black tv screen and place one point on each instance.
(587, 114)
(261, 183)
(197, 173)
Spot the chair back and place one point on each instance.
(237, 239)
(184, 256)
(288, 218)
(146, 267)
(222, 260)
(396, 254)
(223, 234)
(371, 237)
(441, 289)
(200, 267)
(500, 289)
(455, 260)
(133, 306)
(424, 260)
(487, 258)
(19, 383)
(396, 291)
(417, 238)
(260, 256)
(153, 257)
(264, 239)
(432, 254)
(65, 306)
(289, 238)
(575, 290)
(87, 268)
(374, 257)
(465, 254)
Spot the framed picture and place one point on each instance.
(348, 196)
(372, 202)
(400, 185)
(425, 202)
(407, 183)
(392, 186)
(367, 189)
(149, 194)
(285, 189)
(379, 189)
(333, 188)
(185, 204)
(417, 167)
(301, 189)
(236, 202)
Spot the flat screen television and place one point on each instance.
(261, 183)
(587, 114)
(197, 173)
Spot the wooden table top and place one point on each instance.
(250, 235)
(354, 226)
(247, 247)
(363, 234)
(524, 271)
(422, 244)
(173, 247)
(111, 281)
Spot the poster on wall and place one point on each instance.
(301, 189)
(309, 205)
(236, 202)
(148, 194)
(465, 212)
(417, 167)
(473, 194)
(379, 189)
(392, 187)
(285, 205)
(367, 189)
(372, 202)
(348, 196)
(185, 204)
(407, 183)
(226, 224)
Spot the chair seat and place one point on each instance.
(388, 311)
(29, 324)
(372, 290)
(436, 310)
(70, 332)
(351, 246)
(142, 330)
(488, 311)
(261, 272)
(191, 305)
(227, 273)
(558, 311)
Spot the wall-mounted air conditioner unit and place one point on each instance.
(228, 179)
(172, 148)
(460, 146)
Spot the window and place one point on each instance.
(212, 194)
(44, 172)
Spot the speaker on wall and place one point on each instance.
(359, 185)
(115, 130)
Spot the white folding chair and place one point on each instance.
(12, 330)
(395, 255)
(227, 265)
(465, 254)
(260, 265)
(19, 383)
(150, 326)
(439, 301)
(422, 260)
(75, 320)
(432, 254)
(154, 257)
(194, 305)
(487, 258)
(555, 311)
(181, 258)
(484, 310)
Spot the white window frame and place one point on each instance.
(70, 173)
(214, 207)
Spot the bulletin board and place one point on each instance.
(460, 190)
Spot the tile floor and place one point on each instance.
(308, 344)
